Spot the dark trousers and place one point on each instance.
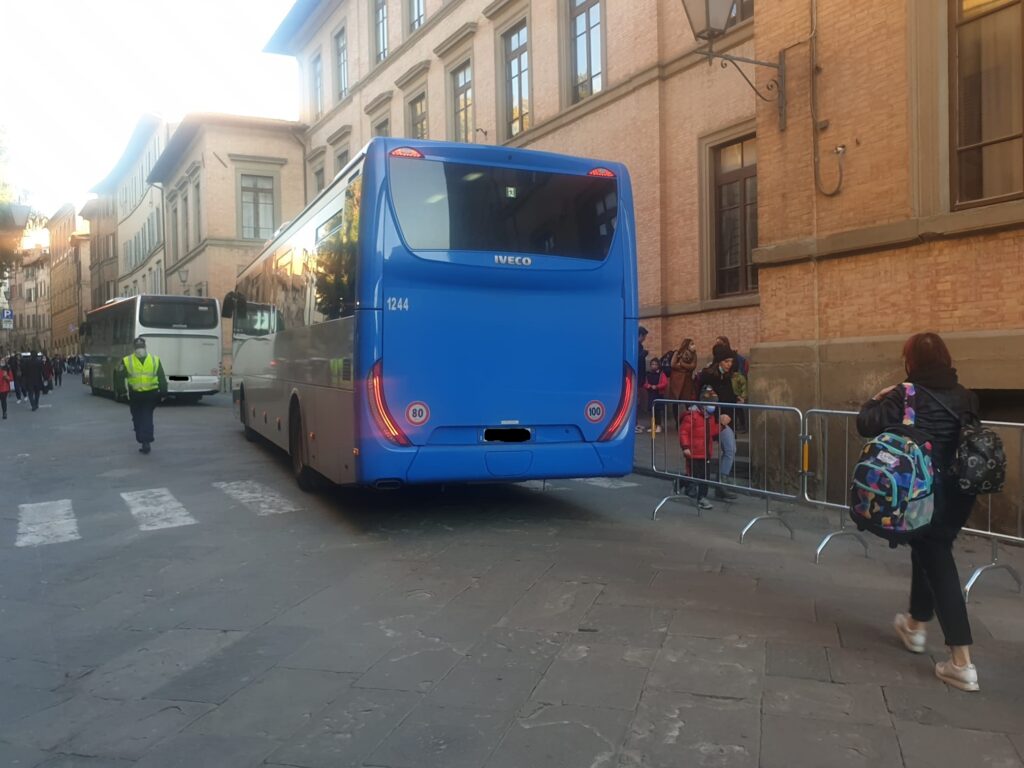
(33, 397)
(935, 582)
(142, 405)
(698, 469)
(3, 402)
(18, 389)
(57, 376)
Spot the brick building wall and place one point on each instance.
(845, 278)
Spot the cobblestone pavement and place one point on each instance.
(193, 608)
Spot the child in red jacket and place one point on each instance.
(698, 429)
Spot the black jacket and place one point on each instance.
(934, 388)
(32, 373)
(718, 381)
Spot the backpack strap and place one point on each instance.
(962, 418)
(909, 404)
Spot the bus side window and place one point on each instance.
(336, 260)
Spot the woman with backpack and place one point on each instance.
(935, 584)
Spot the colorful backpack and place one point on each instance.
(892, 494)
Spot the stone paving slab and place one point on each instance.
(128, 731)
(563, 736)
(927, 746)
(881, 666)
(732, 668)
(811, 699)
(19, 756)
(433, 736)
(789, 741)
(943, 706)
(196, 750)
(672, 730)
(49, 727)
(799, 660)
(551, 605)
(415, 665)
(634, 625)
(610, 676)
(724, 623)
(347, 731)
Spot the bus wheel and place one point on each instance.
(250, 434)
(304, 475)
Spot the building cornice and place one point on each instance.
(257, 159)
(412, 74)
(341, 134)
(497, 7)
(379, 101)
(315, 154)
(456, 38)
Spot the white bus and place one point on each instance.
(183, 331)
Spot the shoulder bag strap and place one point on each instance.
(958, 416)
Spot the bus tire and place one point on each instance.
(250, 434)
(305, 476)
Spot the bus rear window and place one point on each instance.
(454, 206)
(169, 312)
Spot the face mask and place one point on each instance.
(709, 408)
(140, 351)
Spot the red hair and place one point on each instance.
(926, 350)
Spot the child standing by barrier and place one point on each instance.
(698, 429)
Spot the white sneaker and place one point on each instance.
(705, 504)
(914, 640)
(657, 430)
(964, 678)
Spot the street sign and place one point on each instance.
(7, 324)
(6, 314)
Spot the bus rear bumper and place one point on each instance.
(193, 385)
(454, 464)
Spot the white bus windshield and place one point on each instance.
(178, 313)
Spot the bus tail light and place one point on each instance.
(602, 173)
(408, 152)
(626, 405)
(379, 408)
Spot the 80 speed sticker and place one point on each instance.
(417, 414)
(594, 411)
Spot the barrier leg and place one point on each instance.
(674, 495)
(843, 531)
(768, 515)
(995, 565)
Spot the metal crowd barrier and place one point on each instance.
(766, 464)
(810, 462)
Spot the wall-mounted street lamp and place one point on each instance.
(183, 276)
(709, 20)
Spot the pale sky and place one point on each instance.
(75, 75)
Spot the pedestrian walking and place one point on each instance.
(145, 386)
(58, 371)
(32, 379)
(934, 581)
(6, 380)
(14, 366)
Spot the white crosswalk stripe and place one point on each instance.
(48, 522)
(257, 497)
(606, 482)
(156, 509)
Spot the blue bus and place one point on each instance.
(446, 313)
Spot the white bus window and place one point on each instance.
(167, 312)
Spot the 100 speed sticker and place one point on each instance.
(594, 411)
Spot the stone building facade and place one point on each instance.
(229, 182)
(611, 79)
(69, 278)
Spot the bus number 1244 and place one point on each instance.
(397, 305)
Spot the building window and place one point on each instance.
(257, 207)
(318, 180)
(184, 225)
(987, 96)
(174, 234)
(341, 63)
(380, 15)
(340, 160)
(195, 209)
(735, 218)
(586, 49)
(743, 10)
(382, 127)
(462, 88)
(417, 14)
(517, 80)
(418, 117)
(317, 69)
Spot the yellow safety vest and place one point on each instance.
(141, 374)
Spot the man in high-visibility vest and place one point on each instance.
(145, 385)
